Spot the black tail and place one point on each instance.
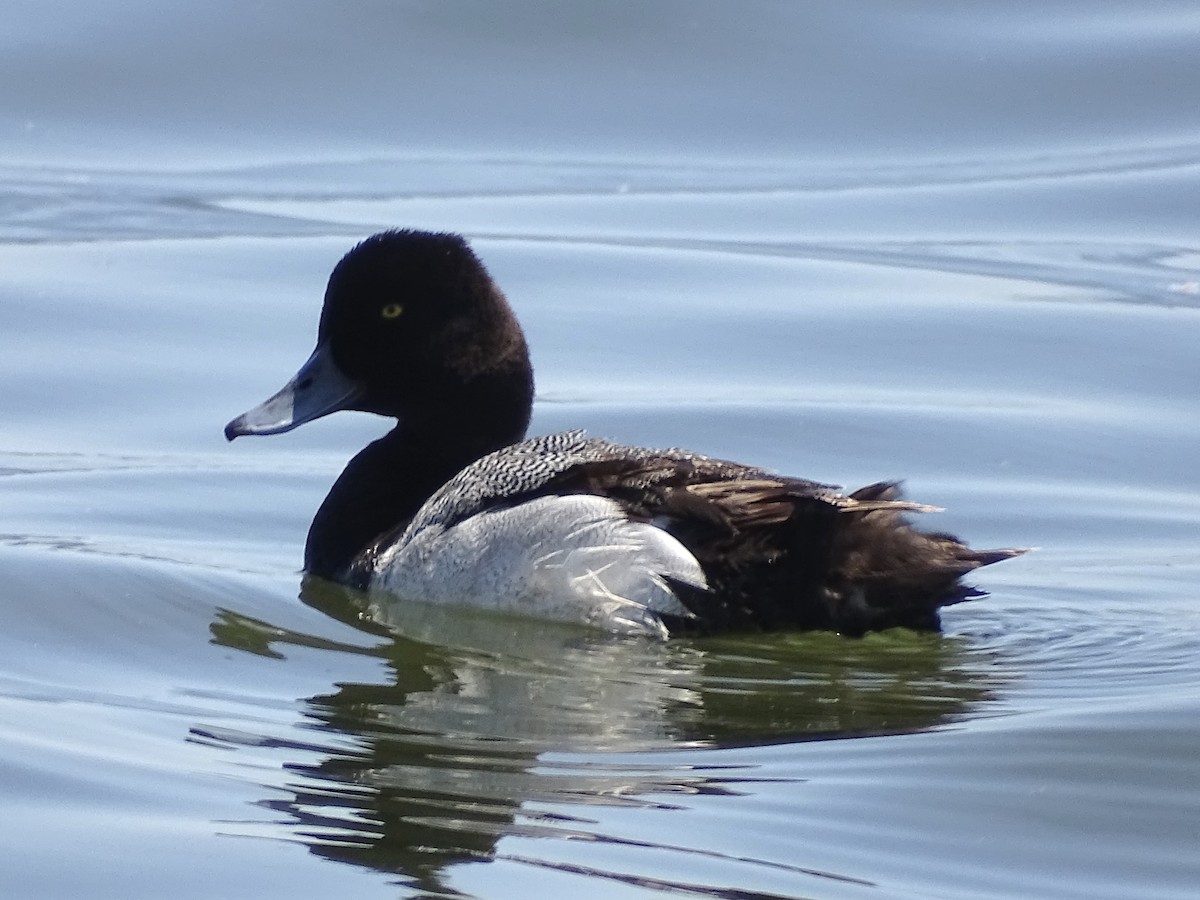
(883, 572)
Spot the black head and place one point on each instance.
(413, 327)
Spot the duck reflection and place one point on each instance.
(492, 727)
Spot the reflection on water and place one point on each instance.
(504, 726)
(951, 243)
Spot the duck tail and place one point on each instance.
(884, 572)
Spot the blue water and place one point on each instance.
(952, 244)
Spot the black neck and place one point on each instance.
(380, 489)
(386, 483)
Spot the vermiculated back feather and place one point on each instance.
(777, 551)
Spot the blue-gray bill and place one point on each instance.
(317, 389)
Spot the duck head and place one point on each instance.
(412, 328)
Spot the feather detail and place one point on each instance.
(765, 551)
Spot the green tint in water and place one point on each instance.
(476, 734)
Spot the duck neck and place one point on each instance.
(382, 487)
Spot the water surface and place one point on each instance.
(953, 246)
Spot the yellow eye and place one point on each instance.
(392, 311)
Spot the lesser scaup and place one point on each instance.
(455, 506)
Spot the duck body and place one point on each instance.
(455, 506)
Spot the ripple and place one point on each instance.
(1092, 644)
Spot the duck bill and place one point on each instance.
(318, 389)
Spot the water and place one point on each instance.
(951, 245)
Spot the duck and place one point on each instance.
(456, 505)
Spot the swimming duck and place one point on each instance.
(455, 505)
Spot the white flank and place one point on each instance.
(575, 558)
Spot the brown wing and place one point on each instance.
(786, 552)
